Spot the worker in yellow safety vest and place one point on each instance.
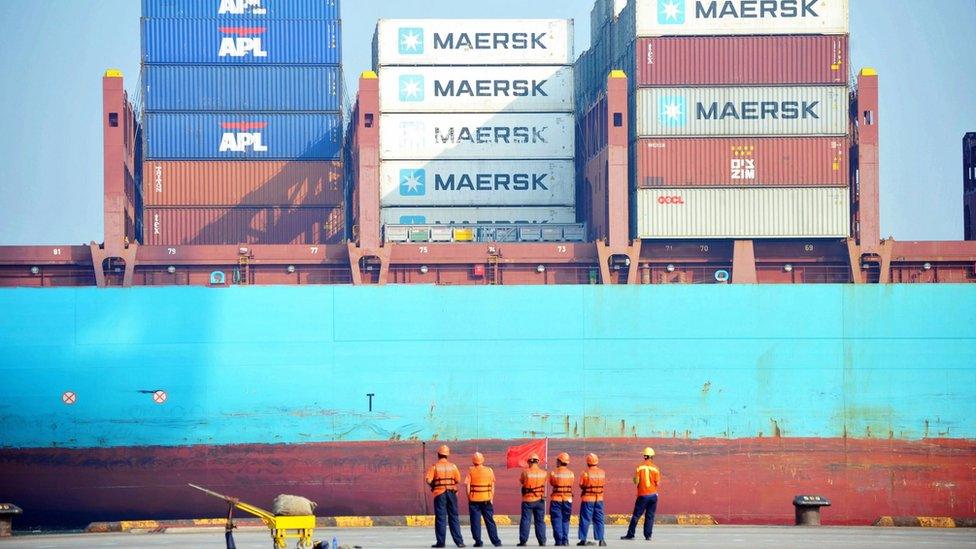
(481, 492)
(533, 481)
(647, 478)
(561, 504)
(443, 478)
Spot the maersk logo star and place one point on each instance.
(671, 12)
(411, 88)
(411, 41)
(413, 183)
(672, 111)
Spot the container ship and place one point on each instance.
(670, 240)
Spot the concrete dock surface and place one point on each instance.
(419, 538)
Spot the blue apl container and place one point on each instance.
(185, 136)
(240, 42)
(251, 9)
(241, 88)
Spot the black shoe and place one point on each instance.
(478, 544)
(647, 538)
(626, 537)
(438, 545)
(460, 545)
(582, 543)
(603, 543)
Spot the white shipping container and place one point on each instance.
(476, 89)
(478, 136)
(743, 213)
(431, 216)
(722, 17)
(743, 111)
(473, 42)
(478, 183)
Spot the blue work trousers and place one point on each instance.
(559, 513)
(534, 511)
(647, 506)
(591, 511)
(446, 513)
(479, 509)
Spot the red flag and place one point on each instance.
(518, 456)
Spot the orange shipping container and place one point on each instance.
(211, 226)
(743, 162)
(242, 183)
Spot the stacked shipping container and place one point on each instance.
(477, 122)
(241, 105)
(739, 114)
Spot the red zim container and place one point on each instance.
(211, 226)
(745, 60)
(743, 162)
(242, 183)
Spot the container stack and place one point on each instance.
(739, 116)
(477, 122)
(243, 129)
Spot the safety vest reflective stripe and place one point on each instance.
(481, 488)
(564, 483)
(443, 477)
(594, 483)
(535, 483)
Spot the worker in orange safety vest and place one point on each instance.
(481, 493)
(533, 481)
(647, 478)
(592, 482)
(443, 478)
(561, 503)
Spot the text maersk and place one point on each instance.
(491, 182)
(759, 110)
(755, 9)
(490, 88)
(491, 134)
(490, 41)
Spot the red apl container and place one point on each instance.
(743, 162)
(745, 60)
(209, 226)
(242, 183)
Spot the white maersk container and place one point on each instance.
(473, 42)
(743, 213)
(478, 183)
(742, 111)
(476, 89)
(479, 136)
(431, 216)
(724, 17)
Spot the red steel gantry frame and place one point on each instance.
(610, 257)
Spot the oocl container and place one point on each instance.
(743, 213)
(241, 88)
(473, 42)
(478, 136)
(422, 216)
(742, 60)
(743, 162)
(718, 17)
(240, 42)
(251, 9)
(478, 183)
(754, 111)
(242, 183)
(476, 89)
(181, 136)
(211, 226)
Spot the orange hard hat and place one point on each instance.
(591, 459)
(444, 451)
(533, 457)
(563, 457)
(477, 458)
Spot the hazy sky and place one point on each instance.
(53, 54)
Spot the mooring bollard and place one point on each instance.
(7, 512)
(808, 509)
